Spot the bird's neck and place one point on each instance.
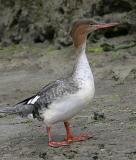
(82, 70)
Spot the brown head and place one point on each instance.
(81, 29)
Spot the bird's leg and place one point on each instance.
(54, 143)
(70, 137)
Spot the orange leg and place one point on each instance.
(70, 137)
(54, 143)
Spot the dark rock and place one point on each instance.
(16, 38)
(49, 32)
(2, 29)
(101, 146)
(107, 47)
(122, 29)
(95, 156)
(37, 34)
(43, 155)
(106, 6)
(98, 116)
(8, 3)
(40, 21)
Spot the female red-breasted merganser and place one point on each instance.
(60, 100)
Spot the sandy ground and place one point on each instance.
(114, 136)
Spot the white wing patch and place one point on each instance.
(32, 101)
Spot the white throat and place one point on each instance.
(82, 71)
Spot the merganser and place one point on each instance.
(60, 100)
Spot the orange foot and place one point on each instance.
(58, 144)
(81, 137)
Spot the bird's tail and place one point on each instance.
(21, 109)
(8, 110)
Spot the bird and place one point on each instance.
(63, 98)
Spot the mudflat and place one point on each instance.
(24, 69)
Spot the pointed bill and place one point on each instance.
(105, 25)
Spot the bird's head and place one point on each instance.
(82, 28)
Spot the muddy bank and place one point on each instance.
(29, 68)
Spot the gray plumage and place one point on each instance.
(52, 92)
(47, 95)
(56, 90)
(21, 108)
